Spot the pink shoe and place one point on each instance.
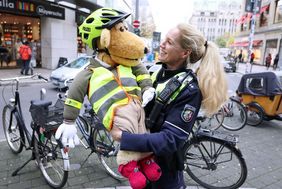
(131, 171)
(150, 168)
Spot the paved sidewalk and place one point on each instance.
(260, 146)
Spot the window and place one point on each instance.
(278, 13)
(255, 84)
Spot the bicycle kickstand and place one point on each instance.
(18, 169)
(92, 151)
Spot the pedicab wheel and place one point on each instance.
(254, 115)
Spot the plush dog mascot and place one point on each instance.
(114, 83)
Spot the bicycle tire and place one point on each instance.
(106, 149)
(214, 122)
(51, 161)
(235, 115)
(254, 115)
(226, 163)
(14, 135)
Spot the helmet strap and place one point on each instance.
(104, 50)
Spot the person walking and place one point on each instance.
(268, 61)
(275, 62)
(240, 56)
(182, 47)
(252, 58)
(25, 55)
(3, 54)
(18, 44)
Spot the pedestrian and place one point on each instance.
(3, 54)
(182, 46)
(25, 54)
(252, 58)
(32, 64)
(240, 56)
(268, 61)
(275, 62)
(18, 44)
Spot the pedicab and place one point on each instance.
(262, 95)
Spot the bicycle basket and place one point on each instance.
(48, 117)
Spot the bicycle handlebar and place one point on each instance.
(24, 77)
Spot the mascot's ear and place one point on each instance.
(105, 38)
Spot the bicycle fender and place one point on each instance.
(256, 105)
(219, 135)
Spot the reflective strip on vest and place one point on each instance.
(143, 77)
(161, 86)
(106, 92)
(73, 103)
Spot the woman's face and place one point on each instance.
(171, 52)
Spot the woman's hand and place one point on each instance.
(116, 133)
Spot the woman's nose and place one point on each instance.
(146, 50)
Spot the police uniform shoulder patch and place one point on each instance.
(188, 113)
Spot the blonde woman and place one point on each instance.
(182, 47)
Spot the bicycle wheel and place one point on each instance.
(12, 130)
(214, 164)
(51, 160)
(214, 122)
(106, 149)
(235, 116)
(255, 115)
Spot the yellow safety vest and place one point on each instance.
(107, 92)
(161, 86)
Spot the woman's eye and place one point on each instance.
(121, 29)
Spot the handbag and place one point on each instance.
(33, 63)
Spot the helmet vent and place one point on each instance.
(85, 36)
(90, 20)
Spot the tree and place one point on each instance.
(221, 42)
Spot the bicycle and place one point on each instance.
(49, 154)
(234, 113)
(212, 158)
(231, 116)
(96, 138)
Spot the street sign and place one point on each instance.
(136, 24)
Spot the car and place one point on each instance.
(63, 76)
(229, 66)
(152, 67)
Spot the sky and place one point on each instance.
(169, 13)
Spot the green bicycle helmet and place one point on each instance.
(102, 18)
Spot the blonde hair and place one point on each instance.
(210, 73)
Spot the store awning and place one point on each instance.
(246, 43)
(264, 8)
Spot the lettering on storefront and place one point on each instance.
(6, 3)
(31, 8)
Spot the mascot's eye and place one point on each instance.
(125, 27)
(121, 29)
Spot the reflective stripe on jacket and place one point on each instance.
(107, 92)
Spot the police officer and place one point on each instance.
(182, 47)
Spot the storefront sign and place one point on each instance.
(30, 8)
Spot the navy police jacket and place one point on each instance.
(178, 122)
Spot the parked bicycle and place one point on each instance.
(49, 154)
(232, 116)
(212, 158)
(96, 138)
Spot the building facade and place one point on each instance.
(215, 18)
(50, 25)
(268, 31)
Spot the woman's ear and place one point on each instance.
(105, 38)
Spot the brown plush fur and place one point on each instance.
(125, 48)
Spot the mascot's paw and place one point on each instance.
(131, 171)
(150, 168)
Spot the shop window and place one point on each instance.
(278, 13)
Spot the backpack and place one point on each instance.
(25, 53)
